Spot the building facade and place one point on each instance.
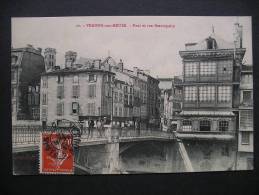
(93, 89)
(76, 93)
(27, 64)
(246, 124)
(211, 88)
(172, 103)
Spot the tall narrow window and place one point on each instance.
(76, 91)
(60, 92)
(44, 82)
(75, 107)
(44, 99)
(60, 109)
(92, 91)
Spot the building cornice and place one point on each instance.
(212, 53)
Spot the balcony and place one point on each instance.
(206, 135)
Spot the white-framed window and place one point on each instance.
(224, 94)
(190, 93)
(75, 91)
(245, 138)
(223, 125)
(187, 125)
(190, 68)
(207, 93)
(92, 91)
(75, 79)
(208, 68)
(60, 109)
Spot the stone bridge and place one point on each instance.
(116, 151)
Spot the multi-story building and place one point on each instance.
(211, 87)
(75, 92)
(26, 66)
(93, 88)
(164, 84)
(172, 103)
(246, 127)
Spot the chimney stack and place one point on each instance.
(50, 58)
(70, 58)
(120, 65)
(238, 35)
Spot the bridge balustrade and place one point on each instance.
(31, 134)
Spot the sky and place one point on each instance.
(149, 48)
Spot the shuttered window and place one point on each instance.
(60, 109)
(60, 92)
(76, 91)
(92, 91)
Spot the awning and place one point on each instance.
(206, 113)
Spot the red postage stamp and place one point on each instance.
(56, 153)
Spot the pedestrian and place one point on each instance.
(98, 124)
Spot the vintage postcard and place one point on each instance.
(131, 94)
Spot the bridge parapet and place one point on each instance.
(29, 136)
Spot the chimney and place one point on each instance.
(50, 58)
(120, 65)
(70, 58)
(39, 49)
(135, 70)
(238, 33)
(29, 45)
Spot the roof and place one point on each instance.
(206, 113)
(201, 45)
(68, 71)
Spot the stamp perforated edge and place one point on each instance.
(41, 161)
